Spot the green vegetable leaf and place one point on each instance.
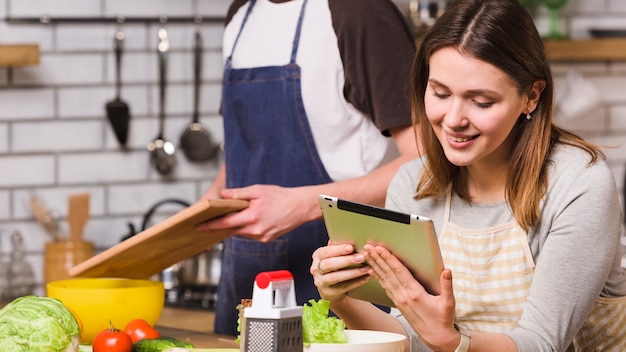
(38, 324)
(318, 327)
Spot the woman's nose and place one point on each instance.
(455, 116)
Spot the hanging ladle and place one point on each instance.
(161, 150)
(196, 141)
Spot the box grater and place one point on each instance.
(273, 323)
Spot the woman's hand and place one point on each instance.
(432, 317)
(337, 269)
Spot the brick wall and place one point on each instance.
(55, 139)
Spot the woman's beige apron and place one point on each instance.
(493, 270)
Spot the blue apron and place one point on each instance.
(267, 141)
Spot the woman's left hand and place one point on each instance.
(431, 316)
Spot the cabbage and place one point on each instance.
(38, 324)
(318, 327)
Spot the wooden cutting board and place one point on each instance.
(162, 245)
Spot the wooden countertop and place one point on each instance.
(193, 326)
(187, 319)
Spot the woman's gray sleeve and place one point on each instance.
(416, 344)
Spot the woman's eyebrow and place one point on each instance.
(471, 92)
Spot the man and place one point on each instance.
(312, 91)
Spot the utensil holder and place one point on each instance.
(60, 257)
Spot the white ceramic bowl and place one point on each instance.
(363, 341)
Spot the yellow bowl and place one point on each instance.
(100, 301)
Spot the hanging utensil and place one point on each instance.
(196, 141)
(161, 150)
(117, 110)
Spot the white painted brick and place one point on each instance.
(77, 38)
(61, 8)
(104, 36)
(215, 8)
(212, 97)
(148, 8)
(618, 118)
(179, 99)
(213, 68)
(580, 25)
(618, 6)
(26, 103)
(617, 152)
(611, 88)
(53, 136)
(5, 213)
(84, 101)
(103, 168)
(109, 231)
(595, 122)
(140, 197)
(21, 33)
(586, 6)
(137, 67)
(91, 101)
(26, 170)
(618, 68)
(34, 236)
(561, 69)
(178, 67)
(63, 69)
(55, 200)
(4, 138)
(212, 34)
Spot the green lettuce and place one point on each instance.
(38, 324)
(318, 327)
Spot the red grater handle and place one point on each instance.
(263, 279)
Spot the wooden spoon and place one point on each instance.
(44, 217)
(77, 215)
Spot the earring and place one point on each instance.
(528, 116)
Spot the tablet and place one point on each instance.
(411, 238)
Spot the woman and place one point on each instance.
(527, 213)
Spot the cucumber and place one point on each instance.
(176, 342)
(159, 344)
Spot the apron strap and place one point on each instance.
(296, 39)
(243, 23)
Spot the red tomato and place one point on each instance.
(112, 340)
(139, 329)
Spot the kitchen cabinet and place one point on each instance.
(14, 55)
(600, 49)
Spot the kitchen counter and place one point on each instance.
(193, 326)
(187, 319)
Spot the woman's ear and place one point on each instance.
(535, 94)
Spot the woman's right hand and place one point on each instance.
(337, 269)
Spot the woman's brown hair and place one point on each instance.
(502, 33)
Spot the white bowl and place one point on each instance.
(363, 341)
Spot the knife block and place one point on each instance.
(59, 257)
